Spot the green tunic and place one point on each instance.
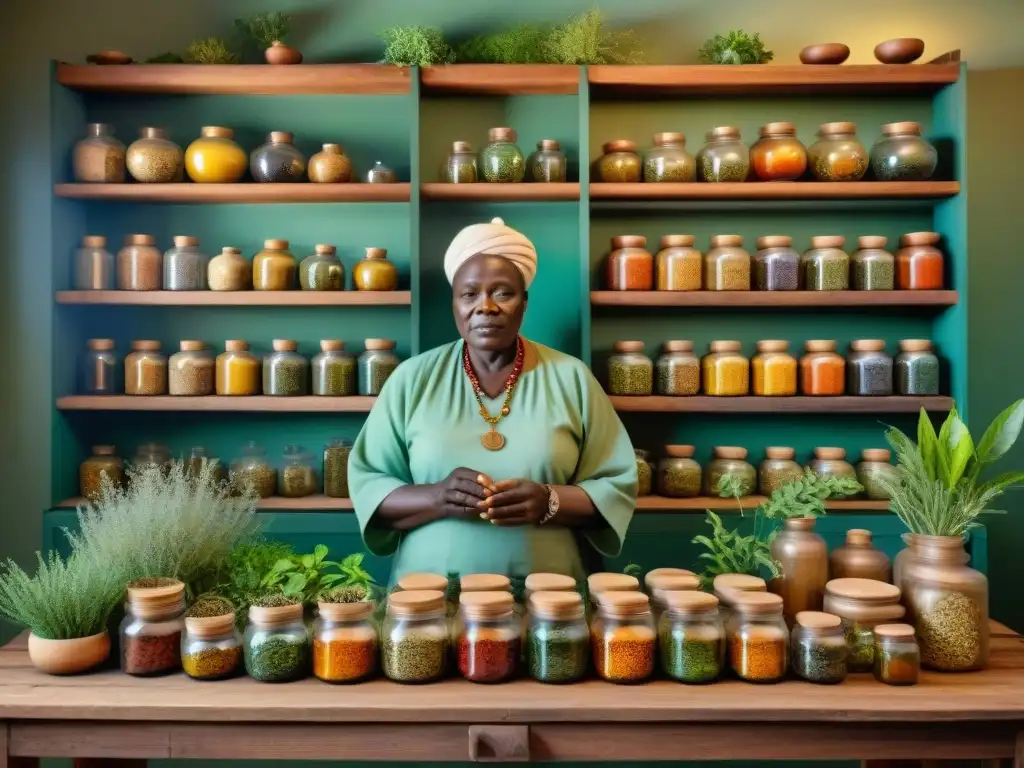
(562, 430)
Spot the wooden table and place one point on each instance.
(111, 717)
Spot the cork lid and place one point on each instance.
(830, 453)
(780, 452)
(415, 602)
(836, 128)
(376, 253)
(730, 452)
(628, 346)
(868, 345)
(778, 129)
(333, 149)
(275, 245)
(655, 574)
(103, 450)
(605, 581)
(346, 611)
(725, 346)
(901, 631)
(414, 582)
(672, 583)
(94, 241)
(618, 145)
(281, 137)
(876, 454)
(217, 132)
(909, 126)
(208, 627)
(622, 604)
(689, 601)
(332, 345)
(772, 345)
(145, 345)
(185, 241)
(484, 582)
(191, 346)
(503, 133)
(828, 241)
(549, 144)
(723, 132)
(152, 132)
(726, 241)
(858, 537)
(139, 240)
(461, 146)
(155, 595)
(229, 250)
(678, 345)
(669, 137)
(628, 241)
(677, 241)
(284, 345)
(817, 620)
(739, 581)
(863, 589)
(378, 345)
(820, 345)
(556, 605)
(915, 345)
(920, 238)
(277, 616)
(872, 241)
(774, 241)
(100, 345)
(680, 451)
(550, 582)
(486, 605)
(324, 249)
(756, 602)
(236, 345)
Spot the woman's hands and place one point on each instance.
(461, 493)
(515, 502)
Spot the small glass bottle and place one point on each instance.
(330, 166)
(237, 370)
(155, 159)
(336, 454)
(669, 161)
(285, 371)
(858, 558)
(154, 620)
(376, 365)
(777, 469)
(691, 637)
(344, 642)
(902, 155)
(619, 162)
(897, 655)
(375, 272)
(817, 648)
(94, 265)
(381, 174)
(623, 637)
(838, 155)
(724, 157)
(630, 264)
(139, 264)
(252, 469)
(758, 638)
(185, 266)
(725, 371)
(99, 157)
(822, 369)
(334, 370)
(548, 164)
(211, 648)
(630, 371)
(277, 161)
(323, 271)
(557, 638)
(274, 268)
(191, 370)
(100, 368)
(277, 644)
(145, 369)
(727, 265)
(215, 157)
(414, 637)
(875, 464)
(679, 265)
(919, 263)
(297, 477)
(776, 264)
(916, 368)
(862, 604)
(774, 369)
(489, 637)
(869, 368)
(831, 462)
(151, 456)
(778, 155)
(460, 166)
(644, 472)
(802, 556)
(103, 463)
(826, 264)
(678, 369)
(500, 159)
(679, 475)
(730, 460)
(229, 271)
(872, 268)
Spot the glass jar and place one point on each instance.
(461, 167)
(191, 370)
(375, 272)
(657, 577)
(376, 365)
(691, 637)
(862, 604)
(237, 370)
(826, 264)
(859, 559)
(500, 159)
(94, 265)
(285, 371)
(758, 637)
(323, 271)
(139, 264)
(622, 637)
(872, 267)
(557, 638)
(548, 163)
(774, 369)
(916, 368)
(777, 469)
(619, 162)
(679, 266)
(336, 454)
(831, 462)
(297, 477)
(274, 268)
(947, 602)
(822, 369)
(725, 371)
(277, 161)
(727, 586)
(334, 370)
(381, 174)
(776, 264)
(277, 644)
(919, 264)
(665, 585)
(344, 642)
(145, 369)
(818, 648)
(104, 463)
(154, 619)
(252, 469)
(547, 582)
(838, 155)
(414, 637)
(100, 368)
(778, 154)
(727, 265)
(151, 456)
(679, 476)
(330, 166)
(607, 581)
(185, 266)
(730, 460)
(678, 369)
(211, 648)
(897, 655)
(155, 159)
(644, 472)
(229, 271)
(902, 155)
(198, 459)
(630, 371)
(669, 161)
(215, 158)
(724, 157)
(630, 264)
(803, 558)
(868, 368)
(489, 637)
(875, 464)
(99, 157)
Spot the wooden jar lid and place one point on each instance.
(680, 452)
(550, 582)
(730, 452)
(779, 452)
(817, 620)
(774, 241)
(869, 590)
(414, 582)
(484, 582)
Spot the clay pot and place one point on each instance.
(825, 53)
(68, 657)
(279, 53)
(330, 166)
(901, 50)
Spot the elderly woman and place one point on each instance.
(492, 454)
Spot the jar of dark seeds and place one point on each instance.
(691, 637)
(916, 368)
(678, 369)
(730, 460)
(668, 160)
(679, 476)
(381, 174)
(500, 159)
(872, 268)
(826, 264)
(252, 469)
(285, 371)
(818, 648)
(278, 160)
(94, 265)
(191, 370)
(902, 155)
(548, 163)
(776, 264)
(185, 266)
(155, 159)
(724, 157)
(323, 271)
(376, 364)
(297, 477)
(99, 157)
(838, 155)
(679, 266)
(277, 644)
(334, 370)
(868, 368)
(619, 162)
(414, 637)
(831, 462)
(139, 264)
(460, 167)
(777, 469)
(727, 265)
(336, 454)
(557, 637)
(100, 369)
(644, 472)
(897, 655)
(229, 271)
(875, 465)
(104, 466)
(630, 371)
(145, 369)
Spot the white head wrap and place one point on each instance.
(496, 239)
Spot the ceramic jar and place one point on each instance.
(862, 604)
(916, 368)
(777, 469)
(237, 370)
(99, 158)
(100, 374)
(831, 462)
(376, 365)
(104, 463)
(838, 155)
(727, 265)
(139, 264)
(679, 266)
(500, 159)
(285, 371)
(758, 638)
(858, 558)
(803, 557)
(776, 264)
(229, 271)
(874, 466)
(277, 161)
(619, 162)
(185, 266)
(919, 263)
(774, 369)
(375, 272)
(679, 476)
(548, 163)
(381, 174)
(274, 268)
(215, 158)
(817, 647)
(94, 265)
(630, 371)
(145, 369)
(822, 369)
(902, 155)
(461, 166)
(868, 368)
(323, 271)
(730, 460)
(872, 268)
(724, 157)
(677, 369)
(724, 370)
(668, 160)
(826, 264)
(630, 264)
(778, 155)
(330, 166)
(644, 472)
(155, 159)
(334, 370)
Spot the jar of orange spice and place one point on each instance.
(774, 369)
(822, 369)
(630, 264)
(919, 262)
(623, 637)
(778, 154)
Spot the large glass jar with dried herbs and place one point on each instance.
(826, 264)
(336, 454)
(730, 460)
(619, 162)
(414, 636)
(831, 462)
(330, 165)
(838, 154)
(691, 637)
(252, 470)
(868, 368)
(376, 365)
(211, 648)
(727, 265)
(285, 371)
(274, 268)
(644, 472)
(817, 647)
(862, 604)
(778, 469)
(489, 636)
(678, 265)
(630, 371)
(103, 463)
(199, 459)
(679, 475)
(298, 476)
(154, 159)
(630, 264)
(277, 644)
(872, 268)
(334, 370)
(623, 637)
(902, 154)
(145, 369)
(725, 372)
(547, 165)
(776, 264)
(460, 167)
(191, 370)
(151, 630)
(758, 637)
(678, 369)
(99, 157)
(501, 161)
(916, 368)
(151, 456)
(140, 264)
(724, 157)
(668, 160)
(345, 646)
(875, 465)
(323, 271)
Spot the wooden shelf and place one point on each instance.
(502, 79)
(738, 299)
(484, 192)
(187, 192)
(255, 79)
(212, 403)
(701, 503)
(237, 298)
(318, 503)
(778, 190)
(799, 404)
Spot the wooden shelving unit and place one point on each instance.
(779, 190)
(237, 193)
(789, 405)
(774, 299)
(502, 79)
(483, 192)
(236, 298)
(318, 503)
(216, 404)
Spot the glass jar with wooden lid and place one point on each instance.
(140, 264)
(678, 369)
(758, 637)
(726, 585)
(198, 459)
(826, 264)
(679, 476)
(374, 272)
(919, 262)
(818, 648)
(330, 165)
(831, 462)
(298, 476)
(376, 365)
(547, 582)
(274, 268)
(323, 270)
(730, 460)
(777, 469)
(822, 369)
(678, 264)
(774, 369)
(874, 467)
(100, 368)
(691, 637)
(869, 368)
(277, 643)
(547, 165)
(897, 655)
(94, 265)
(99, 158)
(488, 640)
(803, 559)
(145, 369)
(229, 271)
(725, 371)
(619, 162)
(211, 648)
(285, 371)
(727, 265)
(103, 463)
(644, 472)
(252, 471)
(333, 370)
(778, 155)
(185, 266)
(668, 160)
(858, 558)
(901, 154)
(862, 604)
(661, 585)
(345, 646)
(630, 371)
(414, 637)
(278, 160)
(607, 581)
(623, 637)
(501, 161)
(151, 456)
(872, 268)
(630, 264)
(151, 630)
(916, 368)
(724, 157)
(238, 370)
(838, 155)
(557, 637)
(215, 157)
(191, 370)
(776, 264)
(460, 167)
(655, 576)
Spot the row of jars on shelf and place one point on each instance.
(213, 158)
(193, 371)
(900, 154)
(777, 265)
(726, 371)
(501, 161)
(678, 475)
(140, 266)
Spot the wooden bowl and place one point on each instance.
(901, 50)
(825, 53)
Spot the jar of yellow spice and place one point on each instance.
(679, 266)
(375, 272)
(774, 369)
(215, 158)
(274, 268)
(725, 371)
(238, 370)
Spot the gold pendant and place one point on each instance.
(493, 440)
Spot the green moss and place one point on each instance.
(210, 50)
(735, 47)
(522, 44)
(416, 46)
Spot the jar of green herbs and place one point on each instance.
(500, 160)
(691, 637)
(619, 162)
(336, 454)
(862, 604)
(872, 268)
(678, 369)
(916, 368)
(831, 462)
(277, 642)
(252, 470)
(461, 167)
(323, 271)
(826, 264)
(414, 637)
(333, 370)
(644, 472)
(548, 164)
(285, 371)
(557, 637)
(679, 476)
(875, 465)
(778, 469)
(724, 157)
(376, 364)
(297, 477)
(630, 371)
(730, 460)
(668, 160)
(818, 648)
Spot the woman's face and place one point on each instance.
(488, 300)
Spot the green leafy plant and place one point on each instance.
(522, 44)
(587, 39)
(240, 576)
(306, 577)
(356, 593)
(735, 47)
(806, 496)
(416, 46)
(210, 50)
(634, 570)
(265, 28)
(937, 489)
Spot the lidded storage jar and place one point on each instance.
(777, 469)
(277, 644)
(237, 370)
(607, 581)
(376, 364)
(869, 368)
(659, 587)
(500, 159)
(822, 369)
(191, 370)
(831, 462)
(872, 267)
(679, 475)
(919, 265)
(776, 264)
(155, 159)
(902, 155)
(297, 477)
(99, 157)
(100, 368)
(724, 156)
(344, 642)
(838, 155)
(774, 369)
(154, 619)
(679, 265)
(826, 264)
(330, 165)
(726, 586)
(274, 268)
(630, 264)
(461, 167)
(725, 371)
(323, 271)
(758, 637)
(644, 472)
(622, 637)
(285, 371)
(185, 266)
(198, 458)
(414, 637)
(858, 558)
(691, 637)
(668, 160)
(875, 464)
(145, 369)
(897, 655)
(381, 174)
(803, 558)
(94, 265)
(678, 369)
(778, 154)
(619, 162)
(488, 643)
(916, 369)
(375, 272)
(730, 460)
(548, 163)
(727, 265)
(229, 271)
(152, 456)
(139, 264)
(278, 160)
(862, 604)
(334, 370)
(104, 462)
(630, 371)
(215, 158)
(817, 647)
(211, 648)
(557, 637)
(336, 454)
(253, 469)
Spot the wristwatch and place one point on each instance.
(552, 505)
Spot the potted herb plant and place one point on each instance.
(735, 47)
(306, 577)
(268, 30)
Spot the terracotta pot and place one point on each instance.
(825, 53)
(279, 53)
(68, 657)
(901, 50)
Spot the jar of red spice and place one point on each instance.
(822, 369)
(622, 637)
(919, 263)
(679, 264)
(619, 162)
(758, 637)
(727, 265)
(630, 264)
(897, 655)
(344, 642)
(489, 637)
(778, 154)
(483, 582)
(151, 630)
